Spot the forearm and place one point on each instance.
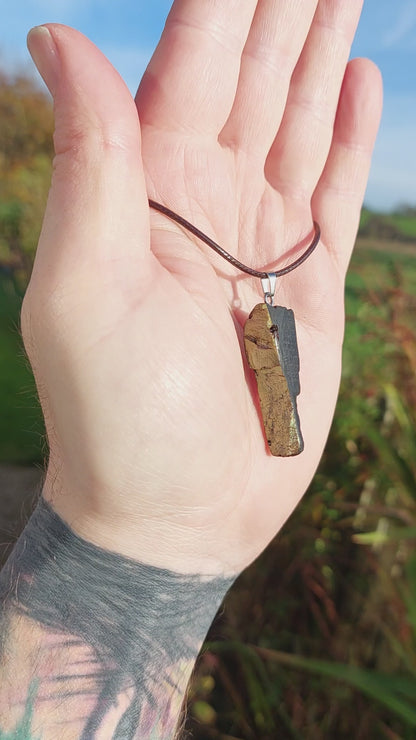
(94, 645)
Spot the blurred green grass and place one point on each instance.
(319, 638)
(21, 425)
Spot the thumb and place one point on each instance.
(96, 222)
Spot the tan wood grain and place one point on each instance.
(277, 406)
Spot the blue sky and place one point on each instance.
(128, 30)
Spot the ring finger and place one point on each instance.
(300, 149)
(273, 46)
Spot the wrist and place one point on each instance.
(140, 627)
(157, 533)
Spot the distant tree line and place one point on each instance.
(26, 152)
(400, 225)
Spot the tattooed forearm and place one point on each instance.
(95, 645)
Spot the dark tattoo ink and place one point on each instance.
(128, 626)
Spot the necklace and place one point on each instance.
(271, 347)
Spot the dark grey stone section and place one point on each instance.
(284, 330)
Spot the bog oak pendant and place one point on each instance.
(270, 344)
(272, 352)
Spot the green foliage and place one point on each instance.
(400, 225)
(21, 425)
(406, 225)
(318, 639)
(26, 125)
(26, 149)
(364, 217)
(398, 695)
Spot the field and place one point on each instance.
(318, 637)
(399, 226)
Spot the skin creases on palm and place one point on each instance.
(154, 399)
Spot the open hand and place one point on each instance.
(251, 124)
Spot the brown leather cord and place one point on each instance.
(249, 270)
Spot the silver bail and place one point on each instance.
(269, 287)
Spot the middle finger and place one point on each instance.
(301, 147)
(270, 54)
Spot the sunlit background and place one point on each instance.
(318, 637)
(128, 30)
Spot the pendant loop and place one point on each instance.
(269, 287)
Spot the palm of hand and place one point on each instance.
(202, 312)
(234, 197)
(168, 434)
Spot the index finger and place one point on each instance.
(192, 77)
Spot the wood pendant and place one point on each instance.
(272, 352)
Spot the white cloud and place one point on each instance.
(405, 24)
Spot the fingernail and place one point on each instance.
(44, 53)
